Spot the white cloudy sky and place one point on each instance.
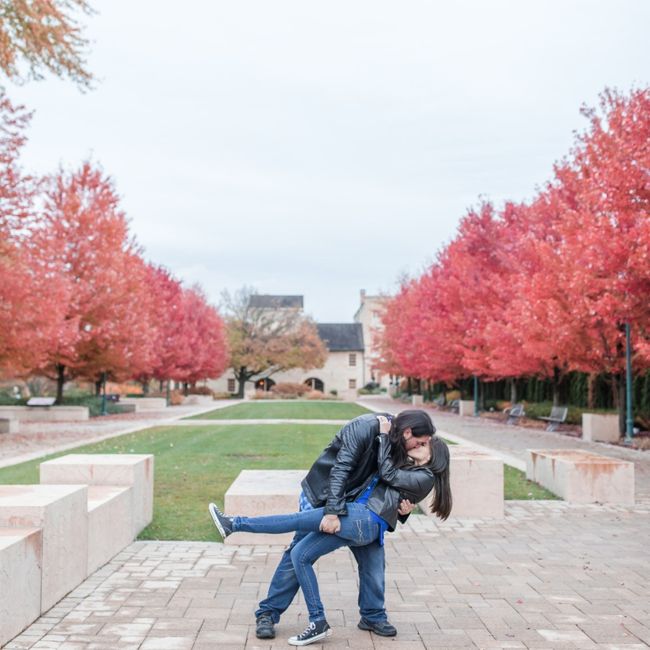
(324, 147)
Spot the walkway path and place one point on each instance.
(38, 439)
(512, 442)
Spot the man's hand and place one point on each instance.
(330, 524)
(405, 507)
(384, 424)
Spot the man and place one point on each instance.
(337, 477)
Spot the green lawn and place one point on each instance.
(195, 465)
(299, 409)
(517, 486)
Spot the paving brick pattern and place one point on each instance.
(550, 575)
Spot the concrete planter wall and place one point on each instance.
(582, 477)
(600, 428)
(466, 407)
(45, 413)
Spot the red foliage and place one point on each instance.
(544, 288)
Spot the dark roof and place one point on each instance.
(339, 337)
(267, 301)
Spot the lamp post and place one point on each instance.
(629, 419)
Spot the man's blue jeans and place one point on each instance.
(285, 582)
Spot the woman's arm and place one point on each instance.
(417, 482)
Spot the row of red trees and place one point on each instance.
(76, 297)
(544, 287)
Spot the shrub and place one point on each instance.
(223, 395)
(263, 394)
(316, 394)
(289, 390)
(334, 392)
(200, 390)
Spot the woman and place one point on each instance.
(400, 475)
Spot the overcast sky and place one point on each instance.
(321, 148)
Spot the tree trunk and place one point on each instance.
(513, 390)
(145, 386)
(591, 390)
(161, 385)
(241, 385)
(98, 387)
(409, 386)
(60, 381)
(556, 381)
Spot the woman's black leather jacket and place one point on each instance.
(395, 484)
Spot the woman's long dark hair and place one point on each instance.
(439, 465)
(420, 425)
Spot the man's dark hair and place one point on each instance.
(420, 425)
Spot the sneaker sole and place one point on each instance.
(367, 628)
(314, 639)
(217, 523)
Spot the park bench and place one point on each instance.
(41, 402)
(440, 400)
(454, 405)
(514, 413)
(557, 417)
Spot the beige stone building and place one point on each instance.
(369, 316)
(347, 367)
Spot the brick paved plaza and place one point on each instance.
(548, 576)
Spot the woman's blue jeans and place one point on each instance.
(358, 528)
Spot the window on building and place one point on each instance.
(353, 359)
(231, 385)
(352, 383)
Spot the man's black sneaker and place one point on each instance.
(382, 628)
(221, 521)
(264, 627)
(315, 632)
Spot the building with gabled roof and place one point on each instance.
(345, 370)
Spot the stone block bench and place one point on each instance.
(145, 403)
(61, 511)
(116, 470)
(21, 551)
(110, 523)
(466, 407)
(582, 477)
(476, 479)
(46, 413)
(597, 427)
(263, 492)
(8, 425)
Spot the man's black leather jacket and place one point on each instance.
(339, 474)
(346, 466)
